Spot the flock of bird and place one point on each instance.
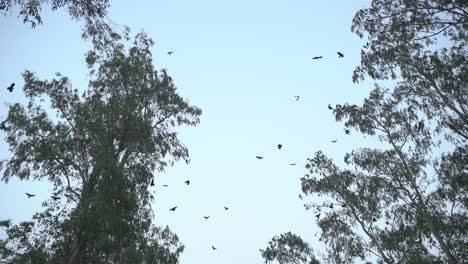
(172, 209)
(187, 182)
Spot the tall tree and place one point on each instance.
(405, 202)
(100, 156)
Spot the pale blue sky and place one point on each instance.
(241, 62)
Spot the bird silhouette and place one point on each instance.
(187, 182)
(279, 146)
(420, 126)
(297, 97)
(11, 87)
(2, 126)
(330, 107)
(170, 52)
(173, 208)
(344, 205)
(152, 182)
(374, 219)
(213, 248)
(55, 197)
(165, 185)
(331, 206)
(292, 164)
(317, 215)
(206, 217)
(334, 141)
(387, 223)
(226, 208)
(259, 157)
(30, 195)
(340, 55)
(317, 57)
(347, 131)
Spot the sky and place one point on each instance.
(242, 62)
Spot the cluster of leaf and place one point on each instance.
(100, 153)
(405, 202)
(79, 9)
(289, 248)
(93, 13)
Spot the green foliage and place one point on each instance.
(93, 13)
(405, 202)
(423, 44)
(100, 155)
(289, 248)
(30, 9)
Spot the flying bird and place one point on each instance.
(330, 107)
(259, 157)
(30, 195)
(317, 215)
(55, 197)
(170, 52)
(347, 131)
(152, 182)
(297, 97)
(10, 88)
(317, 57)
(206, 217)
(344, 205)
(334, 141)
(340, 55)
(331, 206)
(279, 146)
(374, 219)
(292, 164)
(173, 208)
(187, 182)
(213, 247)
(226, 208)
(165, 185)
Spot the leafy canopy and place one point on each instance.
(100, 153)
(407, 201)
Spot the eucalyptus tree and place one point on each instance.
(100, 153)
(422, 45)
(405, 202)
(289, 248)
(90, 11)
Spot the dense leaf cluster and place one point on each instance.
(405, 202)
(100, 153)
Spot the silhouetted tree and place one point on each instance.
(289, 248)
(100, 154)
(93, 13)
(423, 45)
(405, 202)
(30, 10)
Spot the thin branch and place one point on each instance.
(434, 34)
